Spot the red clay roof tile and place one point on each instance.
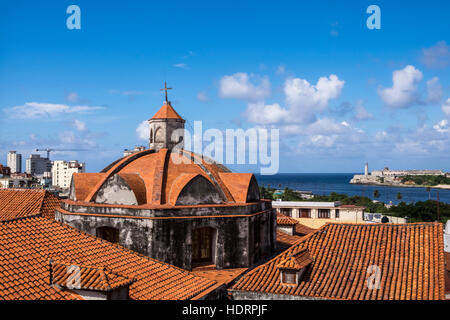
(167, 112)
(27, 245)
(20, 203)
(409, 256)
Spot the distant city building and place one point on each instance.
(62, 172)
(390, 177)
(316, 214)
(14, 161)
(17, 180)
(127, 152)
(399, 173)
(4, 171)
(36, 165)
(382, 218)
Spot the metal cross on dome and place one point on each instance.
(165, 89)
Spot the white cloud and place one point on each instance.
(281, 69)
(79, 125)
(266, 114)
(305, 100)
(446, 108)
(73, 97)
(442, 126)
(202, 96)
(322, 141)
(403, 92)
(437, 56)
(381, 136)
(34, 110)
(83, 140)
(434, 90)
(180, 65)
(361, 113)
(326, 126)
(239, 86)
(143, 131)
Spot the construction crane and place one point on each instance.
(48, 150)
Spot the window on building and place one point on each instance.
(202, 245)
(286, 211)
(108, 233)
(337, 213)
(305, 213)
(324, 213)
(288, 277)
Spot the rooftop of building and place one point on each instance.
(167, 112)
(314, 204)
(28, 245)
(166, 178)
(305, 204)
(21, 203)
(410, 259)
(285, 240)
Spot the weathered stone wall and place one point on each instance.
(161, 131)
(116, 191)
(169, 239)
(245, 295)
(133, 233)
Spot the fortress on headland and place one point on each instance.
(391, 177)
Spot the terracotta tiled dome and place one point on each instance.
(164, 178)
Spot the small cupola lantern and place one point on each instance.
(293, 267)
(166, 127)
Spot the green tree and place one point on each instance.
(399, 196)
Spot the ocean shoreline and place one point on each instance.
(439, 186)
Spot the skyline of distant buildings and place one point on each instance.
(39, 171)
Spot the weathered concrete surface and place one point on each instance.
(240, 239)
(199, 191)
(116, 191)
(247, 295)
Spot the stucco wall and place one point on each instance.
(170, 239)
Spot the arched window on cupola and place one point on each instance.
(151, 135)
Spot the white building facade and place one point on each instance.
(14, 162)
(62, 172)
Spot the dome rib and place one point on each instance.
(115, 169)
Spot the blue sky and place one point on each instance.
(232, 64)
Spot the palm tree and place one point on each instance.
(399, 196)
(429, 194)
(376, 194)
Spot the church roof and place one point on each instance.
(167, 178)
(167, 112)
